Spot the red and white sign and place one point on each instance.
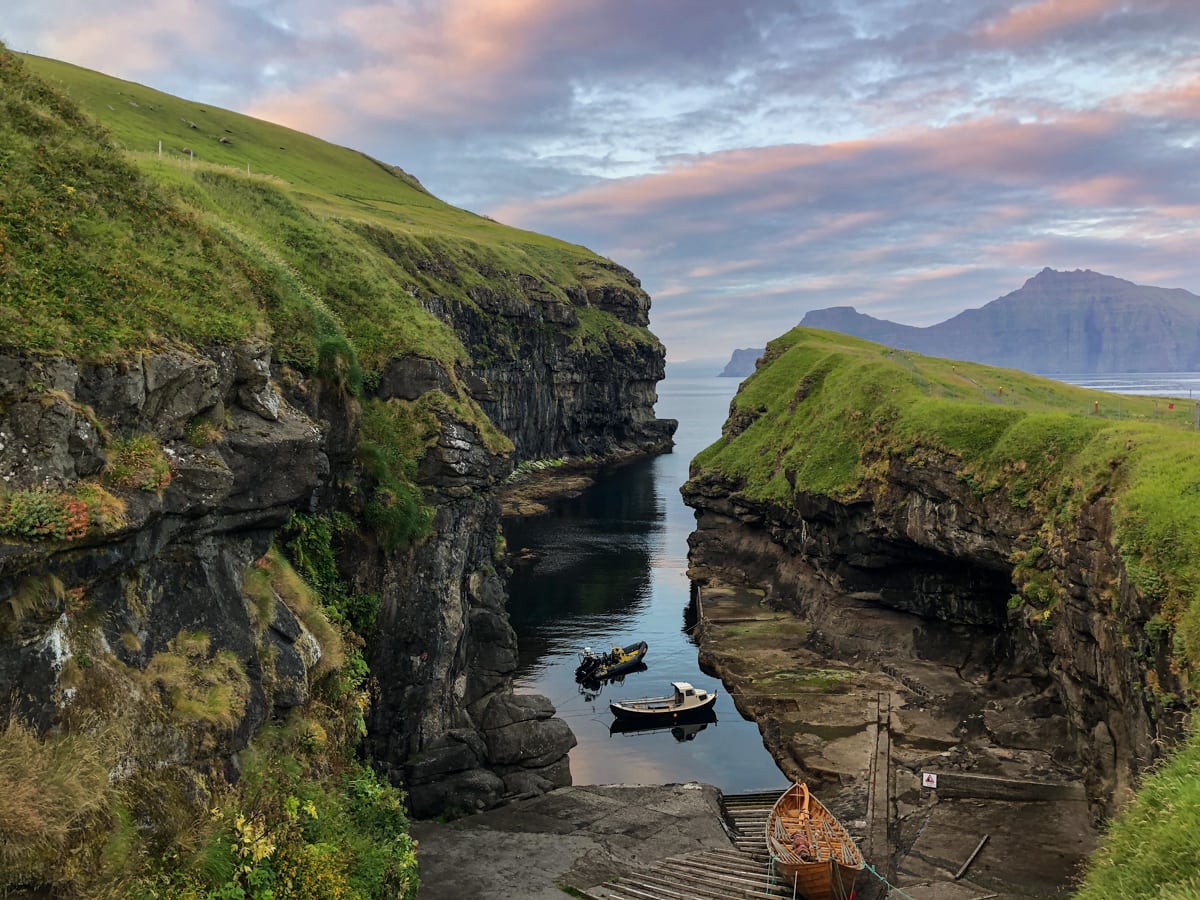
(929, 780)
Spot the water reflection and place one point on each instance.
(684, 731)
(608, 568)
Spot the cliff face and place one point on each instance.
(741, 363)
(542, 379)
(172, 555)
(1068, 322)
(329, 341)
(449, 727)
(926, 543)
(174, 561)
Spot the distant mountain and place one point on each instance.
(742, 362)
(1058, 322)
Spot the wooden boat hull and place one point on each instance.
(823, 863)
(819, 881)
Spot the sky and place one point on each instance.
(748, 160)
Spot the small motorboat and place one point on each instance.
(684, 703)
(810, 848)
(618, 661)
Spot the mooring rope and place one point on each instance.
(891, 887)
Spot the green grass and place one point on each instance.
(94, 258)
(1151, 849)
(255, 230)
(829, 414)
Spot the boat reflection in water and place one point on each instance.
(592, 687)
(685, 730)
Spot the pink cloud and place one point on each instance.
(130, 45)
(459, 59)
(1030, 22)
(1104, 190)
(1182, 100)
(713, 270)
(773, 179)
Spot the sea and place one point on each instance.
(611, 569)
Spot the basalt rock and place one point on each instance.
(246, 443)
(549, 391)
(924, 543)
(172, 562)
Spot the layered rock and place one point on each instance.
(172, 562)
(172, 556)
(554, 388)
(926, 544)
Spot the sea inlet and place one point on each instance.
(609, 567)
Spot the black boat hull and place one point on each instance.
(636, 717)
(605, 671)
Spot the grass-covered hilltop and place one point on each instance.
(256, 392)
(228, 227)
(1063, 518)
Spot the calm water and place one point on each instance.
(612, 570)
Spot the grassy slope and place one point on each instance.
(1045, 443)
(274, 233)
(1150, 851)
(831, 409)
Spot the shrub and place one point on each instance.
(44, 515)
(392, 441)
(303, 600)
(202, 432)
(309, 545)
(397, 515)
(137, 462)
(53, 793)
(199, 688)
(106, 511)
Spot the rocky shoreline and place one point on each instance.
(841, 700)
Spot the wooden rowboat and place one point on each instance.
(810, 848)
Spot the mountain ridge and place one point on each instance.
(1080, 322)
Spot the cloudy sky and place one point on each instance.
(750, 160)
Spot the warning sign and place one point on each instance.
(929, 780)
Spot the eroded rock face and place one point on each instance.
(173, 561)
(925, 544)
(550, 394)
(248, 443)
(447, 723)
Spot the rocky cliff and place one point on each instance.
(161, 427)
(741, 363)
(446, 723)
(915, 520)
(1057, 322)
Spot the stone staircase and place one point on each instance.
(743, 872)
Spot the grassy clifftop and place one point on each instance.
(235, 228)
(826, 412)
